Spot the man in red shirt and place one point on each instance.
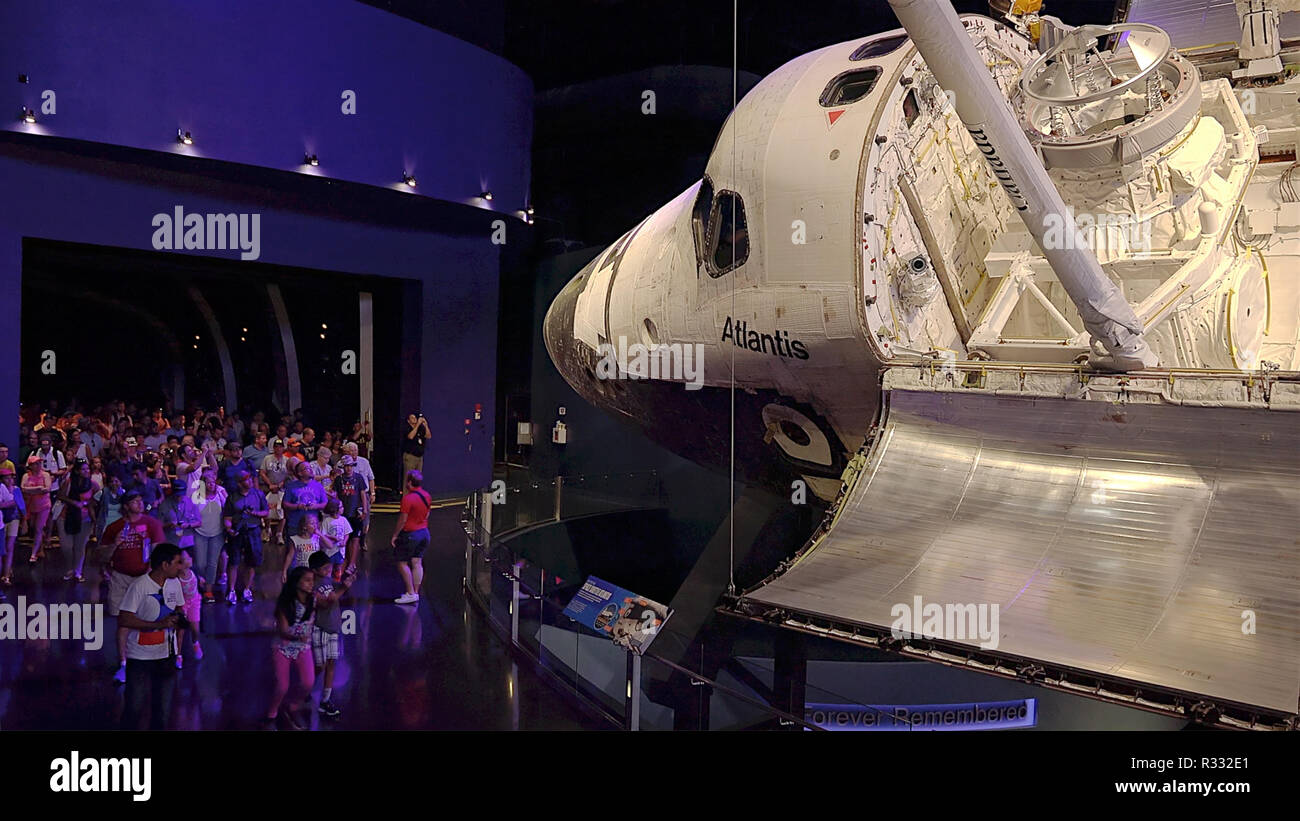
(130, 538)
(412, 536)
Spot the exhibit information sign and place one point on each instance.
(986, 715)
(629, 620)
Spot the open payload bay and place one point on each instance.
(1138, 535)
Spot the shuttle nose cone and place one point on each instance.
(557, 332)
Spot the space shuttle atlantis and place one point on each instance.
(1021, 301)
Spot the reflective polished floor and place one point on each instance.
(437, 666)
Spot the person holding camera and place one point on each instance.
(413, 443)
(150, 613)
(246, 510)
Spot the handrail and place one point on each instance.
(482, 544)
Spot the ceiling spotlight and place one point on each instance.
(324, 327)
(322, 336)
(310, 159)
(529, 210)
(27, 115)
(196, 337)
(245, 330)
(487, 195)
(184, 138)
(409, 179)
(242, 339)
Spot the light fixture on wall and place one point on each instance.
(27, 115)
(184, 137)
(408, 178)
(487, 195)
(310, 159)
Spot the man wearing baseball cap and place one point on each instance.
(275, 467)
(129, 540)
(354, 494)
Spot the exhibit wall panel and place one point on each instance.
(64, 198)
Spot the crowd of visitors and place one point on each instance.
(175, 511)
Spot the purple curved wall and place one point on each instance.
(261, 83)
(258, 84)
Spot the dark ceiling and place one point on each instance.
(559, 42)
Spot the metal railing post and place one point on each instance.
(559, 494)
(470, 535)
(632, 709)
(514, 602)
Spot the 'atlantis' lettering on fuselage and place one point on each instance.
(778, 343)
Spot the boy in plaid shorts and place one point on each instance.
(325, 644)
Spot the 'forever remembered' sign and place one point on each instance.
(989, 715)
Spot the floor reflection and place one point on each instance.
(432, 667)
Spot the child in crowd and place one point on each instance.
(294, 618)
(192, 610)
(275, 521)
(301, 545)
(336, 530)
(325, 643)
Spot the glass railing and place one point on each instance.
(519, 501)
(524, 604)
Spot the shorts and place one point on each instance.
(246, 547)
(358, 528)
(337, 559)
(411, 544)
(324, 646)
(118, 584)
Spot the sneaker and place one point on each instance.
(208, 598)
(248, 596)
(294, 722)
(328, 708)
(222, 580)
(198, 651)
(120, 676)
(232, 598)
(407, 598)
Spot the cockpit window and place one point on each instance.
(876, 48)
(700, 220)
(850, 86)
(728, 234)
